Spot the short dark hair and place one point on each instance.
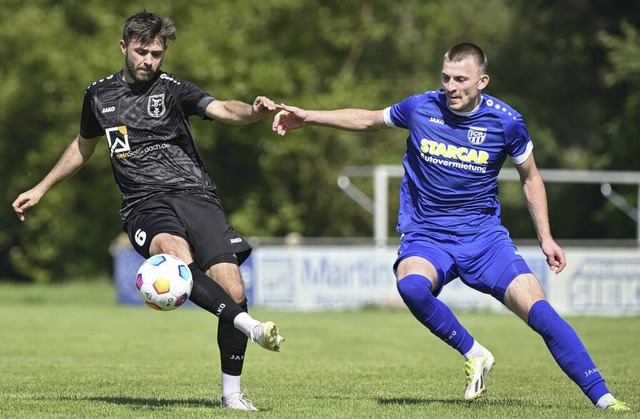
(465, 50)
(145, 27)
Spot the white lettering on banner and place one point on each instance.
(338, 272)
(321, 272)
(606, 284)
(339, 302)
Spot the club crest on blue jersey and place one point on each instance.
(476, 135)
(155, 106)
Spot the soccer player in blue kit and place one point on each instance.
(169, 202)
(449, 215)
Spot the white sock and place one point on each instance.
(475, 351)
(605, 401)
(245, 323)
(230, 384)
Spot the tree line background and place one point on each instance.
(571, 68)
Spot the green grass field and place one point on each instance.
(70, 351)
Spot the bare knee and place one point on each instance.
(229, 278)
(416, 265)
(171, 244)
(523, 292)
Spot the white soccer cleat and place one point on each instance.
(476, 370)
(238, 402)
(267, 335)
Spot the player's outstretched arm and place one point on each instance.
(77, 153)
(536, 200)
(289, 118)
(239, 113)
(292, 117)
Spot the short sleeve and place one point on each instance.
(192, 99)
(399, 114)
(89, 125)
(518, 141)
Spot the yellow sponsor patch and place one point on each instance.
(465, 154)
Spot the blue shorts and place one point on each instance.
(487, 261)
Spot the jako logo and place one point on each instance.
(236, 240)
(109, 109)
(436, 120)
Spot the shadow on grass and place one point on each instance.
(502, 402)
(145, 402)
(405, 401)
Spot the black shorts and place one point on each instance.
(199, 220)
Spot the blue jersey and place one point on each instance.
(452, 161)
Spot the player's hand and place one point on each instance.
(287, 119)
(556, 258)
(25, 201)
(262, 106)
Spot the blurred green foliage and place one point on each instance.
(571, 68)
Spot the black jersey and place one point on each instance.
(148, 134)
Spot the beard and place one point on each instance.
(140, 74)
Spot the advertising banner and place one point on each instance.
(595, 281)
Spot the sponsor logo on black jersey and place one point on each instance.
(118, 138)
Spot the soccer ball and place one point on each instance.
(164, 282)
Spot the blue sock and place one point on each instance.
(567, 349)
(415, 291)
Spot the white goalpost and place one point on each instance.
(378, 206)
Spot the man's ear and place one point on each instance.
(483, 82)
(123, 46)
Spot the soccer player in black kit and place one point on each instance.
(169, 203)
